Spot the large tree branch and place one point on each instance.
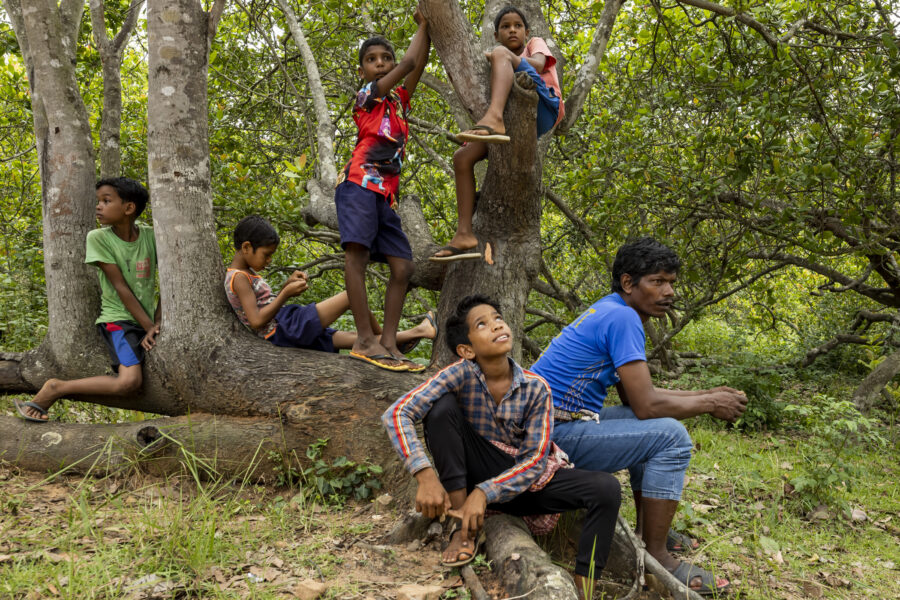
(463, 62)
(324, 126)
(884, 296)
(841, 338)
(590, 69)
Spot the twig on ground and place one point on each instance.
(473, 583)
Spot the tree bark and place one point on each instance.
(249, 448)
(46, 34)
(867, 392)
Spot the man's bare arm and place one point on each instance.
(649, 402)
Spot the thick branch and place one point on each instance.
(830, 345)
(463, 62)
(589, 71)
(865, 394)
(324, 126)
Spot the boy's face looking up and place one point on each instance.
(111, 209)
(511, 32)
(489, 335)
(259, 258)
(376, 63)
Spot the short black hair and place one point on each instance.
(643, 256)
(128, 190)
(257, 231)
(376, 40)
(457, 329)
(505, 11)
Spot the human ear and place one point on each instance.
(627, 283)
(130, 207)
(247, 247)
(465, 351)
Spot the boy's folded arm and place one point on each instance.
(538, 61)
(256, 316)
(413, 61)
(114, 275)
(419, 52)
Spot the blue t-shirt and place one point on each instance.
(581, 362)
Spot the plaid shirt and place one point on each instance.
(523, 420)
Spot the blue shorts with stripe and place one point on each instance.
(123, 340)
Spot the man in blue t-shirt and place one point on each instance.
(605, 346)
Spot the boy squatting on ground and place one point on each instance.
(532, 63)
(365, 198)
(125, 253)
(605, 346)
(488, 425)
(292, 325)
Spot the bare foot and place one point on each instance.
(45, 398)
(461, 241)
(459, 549)
(426, 328)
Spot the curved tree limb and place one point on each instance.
(869, 388)
(830, 345)
(590, 70)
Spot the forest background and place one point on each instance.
(757, 139)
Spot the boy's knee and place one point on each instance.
(129, 380)
(442, 411)
(605, 489)
(679, 434)
(403, 270)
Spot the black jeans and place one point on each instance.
(463, 459)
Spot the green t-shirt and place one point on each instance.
(136, 260)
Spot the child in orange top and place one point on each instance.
(291, 325)
(532, 63)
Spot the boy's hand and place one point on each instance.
(295, 285)
(419, 17)
(525, 81)
(150, 338)
(431, 498)
(471, 514)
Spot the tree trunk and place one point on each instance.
(867, 392)
(46, 33)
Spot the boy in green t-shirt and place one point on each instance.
(125, 253)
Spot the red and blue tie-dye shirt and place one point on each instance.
(381, 140)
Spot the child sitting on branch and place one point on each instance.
(488, 425)
(124, 253)
(291, 325)
(530, 62)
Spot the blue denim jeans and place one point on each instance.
(656, 452)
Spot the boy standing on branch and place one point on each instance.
(532, 64)
(488, 425)
(604, 347)
(366, 197)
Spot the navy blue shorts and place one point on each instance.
(299, 327)
(123, 340)
(366, 218)
(548, 103)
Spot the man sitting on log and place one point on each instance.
(605, 346)
(488, 425)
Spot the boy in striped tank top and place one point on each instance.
(291, 325)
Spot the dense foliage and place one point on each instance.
(765, 154)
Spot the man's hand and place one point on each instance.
(431, 497)
(471, 514)
(150, 338)
(729, 404)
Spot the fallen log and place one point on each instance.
(255, 448)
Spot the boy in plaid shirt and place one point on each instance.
(488, 424)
